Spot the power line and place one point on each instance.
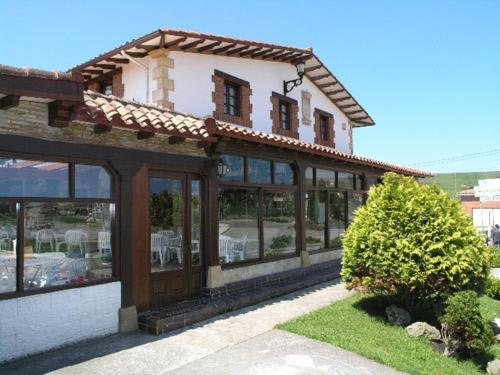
(456, 158)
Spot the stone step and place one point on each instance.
(181, 314)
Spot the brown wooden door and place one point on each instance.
(174, 241)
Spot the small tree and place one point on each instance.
(414, 242)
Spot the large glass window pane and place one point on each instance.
(283, 174)
(371, 181)
(92, 181)
(66, 243)
(279, 223)
(325, 178)
(30, 178)
(238, 225)
(309, 176)
(195, 222)
(346, 181)
(8, 241)
(259, 171)
(337, 219)
(354, 200)
(233, 168)
(166, 224)
(360, 182)
(315, 220)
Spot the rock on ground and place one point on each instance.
(493, 367)
(398, 316)
(422, 329)
(495, 324)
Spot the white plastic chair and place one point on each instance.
(157, 245)
(74, 238)
(226, 248)
(239, 246)
(45, 236)
(174, 244)
(104, 242)
(166, 233)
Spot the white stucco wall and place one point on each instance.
(192, 75)
(40, 322)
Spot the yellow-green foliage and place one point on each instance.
(413, 241)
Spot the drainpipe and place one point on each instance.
(146, 67)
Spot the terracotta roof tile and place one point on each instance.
(140, 116)
(134, 115)
(35, 73)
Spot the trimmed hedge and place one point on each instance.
(414, 242)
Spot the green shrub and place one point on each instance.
(495, 257)
(464, 331)
(281, 242)
(414, 242)
(492, 287)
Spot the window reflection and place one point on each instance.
(8, 241)
(92, 181)
(259, 171)
(337, 219)
(325, 178)
(238, 225)
(354, 201)
(345, 181)
(315, 220)
(279, 223)
(31, 178)
(66, 243)
(195, 222)
(166, 223)
(234, 168)
(283, 174)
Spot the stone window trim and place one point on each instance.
(245, 92)
(330, 142)
(293, 132)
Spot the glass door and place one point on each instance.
(175, 236)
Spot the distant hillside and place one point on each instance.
(455, 182)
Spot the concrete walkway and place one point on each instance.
(142, 353)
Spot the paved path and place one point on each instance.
(142, 353)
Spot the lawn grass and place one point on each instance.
(358, 324)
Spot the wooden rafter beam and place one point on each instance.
(348, 106)
(283, 55)
(105, 66)
(344, 99)
(173, 140)
(313, 68)
(335, 92)
(322, 86)
(250, 51)
(136, 54)
(174, 42)
(145, 134)
(9, 101)
(93, 71)
(271, 54)
(292, 57)
(317, 78)
(186, 46)
(223, 49)
(147, 48)
(260, 53)
(236, 50)
(118, 60)
(354, 112)
(209, 46)
(360, 118)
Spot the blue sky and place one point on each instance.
(427, 71)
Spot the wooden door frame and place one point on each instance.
(187, 271)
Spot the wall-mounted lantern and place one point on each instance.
(222, 168)
(290, 85)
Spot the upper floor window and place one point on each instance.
(231, 99)
(323, 127)
(285, 115)
(107, 88)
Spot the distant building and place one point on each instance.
(482, 204)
